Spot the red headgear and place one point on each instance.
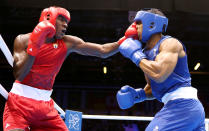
(52, 13)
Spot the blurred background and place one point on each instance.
(89, 84)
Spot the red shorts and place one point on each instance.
(28, 114)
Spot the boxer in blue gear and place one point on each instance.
(164, 63)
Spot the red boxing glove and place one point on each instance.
(43, 30)
(132, 31)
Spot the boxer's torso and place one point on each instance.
(46, 65)
(180, 77)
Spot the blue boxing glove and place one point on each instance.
(132, 49)
(128, 96)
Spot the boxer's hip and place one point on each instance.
(31, 103)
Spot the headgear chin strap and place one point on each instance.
(52, 13)
(152, 24)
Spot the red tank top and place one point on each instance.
(46, 65)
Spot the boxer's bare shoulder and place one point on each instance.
(21, 42)
(72, 41)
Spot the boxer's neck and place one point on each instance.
(153, 41)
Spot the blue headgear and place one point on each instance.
(152, 24)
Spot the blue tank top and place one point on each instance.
(180, 77)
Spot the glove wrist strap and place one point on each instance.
(141, 95)
(137, 57)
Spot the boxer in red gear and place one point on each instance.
(38, 57)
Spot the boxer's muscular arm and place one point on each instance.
(77, 45)
(26, 47)
(165, 61)
(22, 61)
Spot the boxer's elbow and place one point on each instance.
(21, 70)
(159, 78)
(18, 73)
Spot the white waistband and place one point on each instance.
(183, 92)
(31, 92)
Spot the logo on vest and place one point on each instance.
(7, 125)
(30, 49)
(55, 46)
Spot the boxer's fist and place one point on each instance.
(43, 30)
(132, 49)
(125, 98)
(131, 32)
(128, 96)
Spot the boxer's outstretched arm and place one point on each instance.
(79, 46)
(22, 61)
(165, 61)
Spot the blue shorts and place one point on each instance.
(179, 115)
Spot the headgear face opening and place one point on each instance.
(52, 13)
(152, 24)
